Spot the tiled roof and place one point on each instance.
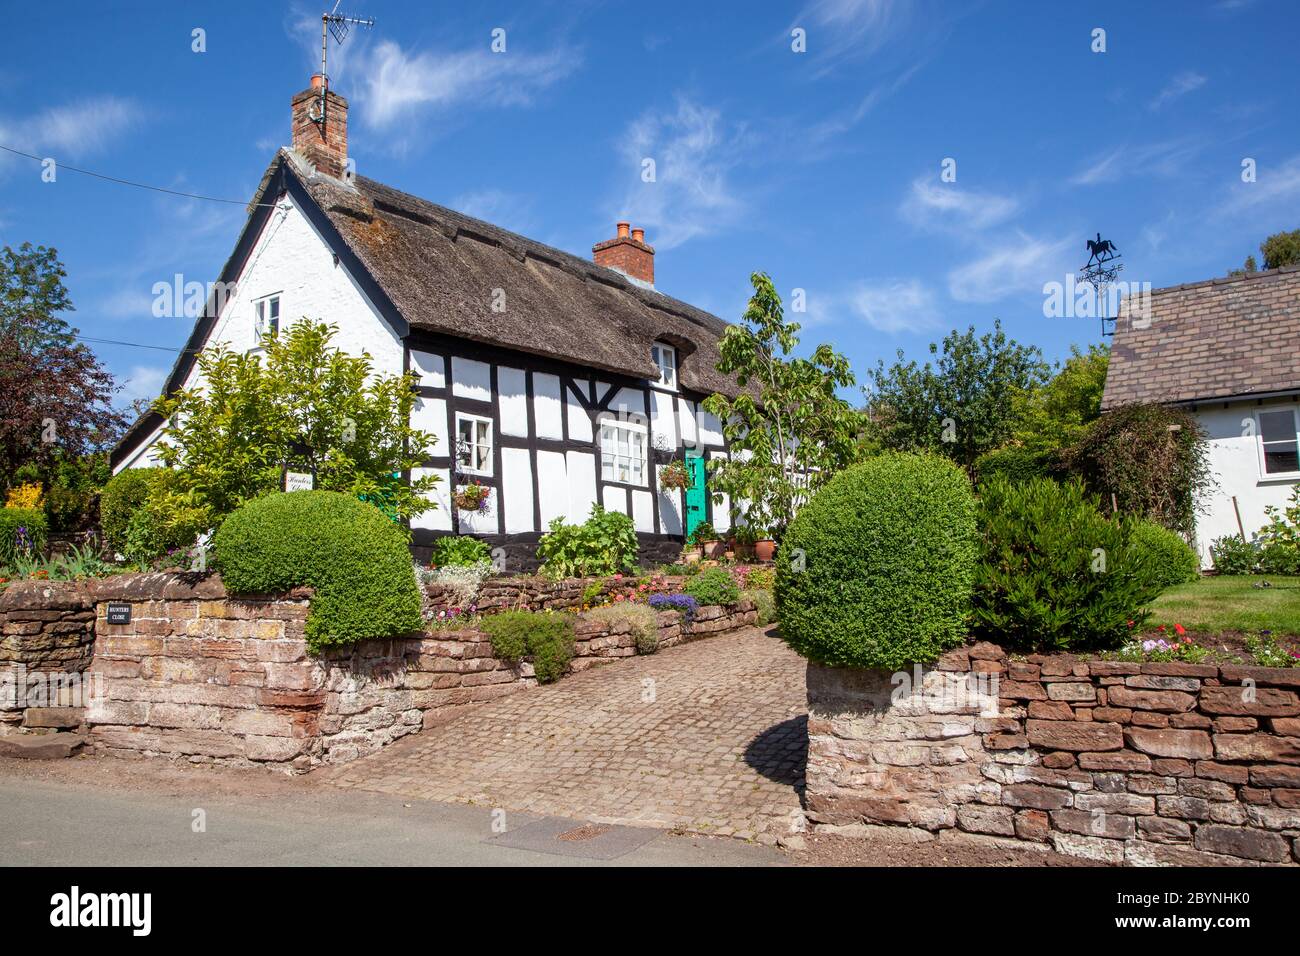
(1222, 338)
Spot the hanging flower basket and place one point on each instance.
(674, 475)
(472, 497)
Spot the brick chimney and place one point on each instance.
(629, 254)
(324, 145)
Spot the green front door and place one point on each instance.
(696, 498)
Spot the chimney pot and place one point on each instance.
(627, 253)
(323, 144)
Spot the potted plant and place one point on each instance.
(764, 546)
(691, 554)
(744, 543)
(708, 541)
(674, 476)
(471, 497)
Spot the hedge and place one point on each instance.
(1054, 572)
(354, 557)
(123, 495)
(1169, 559)
(876, 570)
(34, 528)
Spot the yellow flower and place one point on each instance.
(24, 496)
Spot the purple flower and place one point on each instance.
(684, 603)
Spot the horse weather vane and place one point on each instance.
(337, 25)
(1101, 271)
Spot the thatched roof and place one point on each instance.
(1223, 338)
(440, 269)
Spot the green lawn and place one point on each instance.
(1232, 604)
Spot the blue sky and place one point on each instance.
(821, 168)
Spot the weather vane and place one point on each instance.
(1100, 271)
(335, 24)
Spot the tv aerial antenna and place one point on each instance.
(337, 25)
(1101, 271)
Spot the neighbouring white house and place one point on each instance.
(556, 381)
(1229, 351)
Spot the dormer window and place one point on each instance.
(266, 316)
(665, 356)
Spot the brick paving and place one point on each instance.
(709, 736)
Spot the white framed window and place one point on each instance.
(266, 316)
(1279, 442)
(623, 452)
(665, 356)
(474, 444)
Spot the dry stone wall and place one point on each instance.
(46, 640)
(1144, 764)
(202, 675)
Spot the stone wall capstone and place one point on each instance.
(1145, 764)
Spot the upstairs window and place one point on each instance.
(623, 452)
(1279, 440)
(266, 316)
(665, 356)
(474, 444)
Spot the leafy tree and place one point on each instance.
(1053, 417)
(305, 405)
(788, 430)
(1281, 249)
(54, 394)
(961, 406)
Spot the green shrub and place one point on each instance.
(604, 544)
(1280, 538)
(1234, 555)
(348, 551)
(1014, 463)
(124, 495)
(640, 619)
(459, 551)
(545, 635)
(760, 579)
(876, 569)
(764, 604)
(23, 532)
(713, 586)
(1054, 572)
(1169, 559)
(1279, 558)
(703, 532)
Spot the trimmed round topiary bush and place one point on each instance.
(354, 557)
(123, 495)
(1169, 559)
(876, 570)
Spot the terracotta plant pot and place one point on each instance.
(765, 550)
(714, 549)
(691, 556)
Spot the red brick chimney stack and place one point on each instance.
(324, 145)
(629, 254)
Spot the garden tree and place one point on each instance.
(788, 430)
(1152, 459)
(962, 405)
(304, 405)
(1054, 416)
(1281, 249)
(54, 394)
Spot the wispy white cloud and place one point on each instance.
(1019, 264)
(1276, 190)
(694, 150)
(895, 305)
(1168, 158)
(394, 85)
(850, 29)
(76, 129)
(1179, 85)
(142, 381)
(930, 204)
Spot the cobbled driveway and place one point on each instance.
(709, 736)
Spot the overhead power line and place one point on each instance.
(128, 182)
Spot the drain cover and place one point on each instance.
(561, 837)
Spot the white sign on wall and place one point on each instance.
(299, 481)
